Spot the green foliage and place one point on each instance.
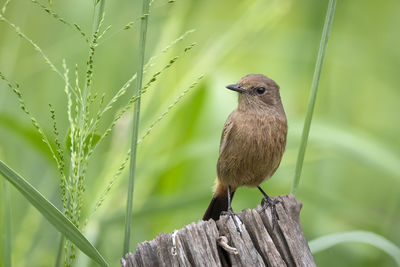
(327, 241)
(81, 136)
(51, 213)
(350, 177)
(15, 89)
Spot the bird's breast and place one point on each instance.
(253, 149)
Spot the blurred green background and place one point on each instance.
(351, 174)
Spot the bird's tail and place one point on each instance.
(218, 204)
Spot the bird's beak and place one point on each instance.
(236, 87)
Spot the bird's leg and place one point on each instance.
(266, 201)
(230, 212)
(229, 199)
(269, 202)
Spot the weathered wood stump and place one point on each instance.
(210, 243)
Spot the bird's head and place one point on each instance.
(257, 91)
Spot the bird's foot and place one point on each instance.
(268, 202)
(236, 220)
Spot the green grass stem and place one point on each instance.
(184, 92)
(80, 144)
(36, 47)
(6, 229)
(313, 93)
(4, 8)
(98, 14)
(147, 132)
(135, 126)
(16, 90)
(57, 17)
(59, 251)
(128, 83)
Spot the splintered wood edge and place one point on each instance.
(210, 243)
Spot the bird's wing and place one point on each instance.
(226, 133)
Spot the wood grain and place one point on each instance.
(210, 243)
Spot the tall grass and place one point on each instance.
(313, 93)
(135, 125)
(72, 158)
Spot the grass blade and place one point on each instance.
(355, 143)
(51, 213)
(135, 125)
(373, 239)
(313, 93)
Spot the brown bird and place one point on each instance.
(252, 143)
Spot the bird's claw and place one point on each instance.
(235, 218)
(267, 202)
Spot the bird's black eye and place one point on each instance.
(260, 90)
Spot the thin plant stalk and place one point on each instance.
(135, 126)
(313, 93)
(98, 14)
(77, 163)
(60, 251)
(6, 232)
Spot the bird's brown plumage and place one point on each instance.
(253, 140)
